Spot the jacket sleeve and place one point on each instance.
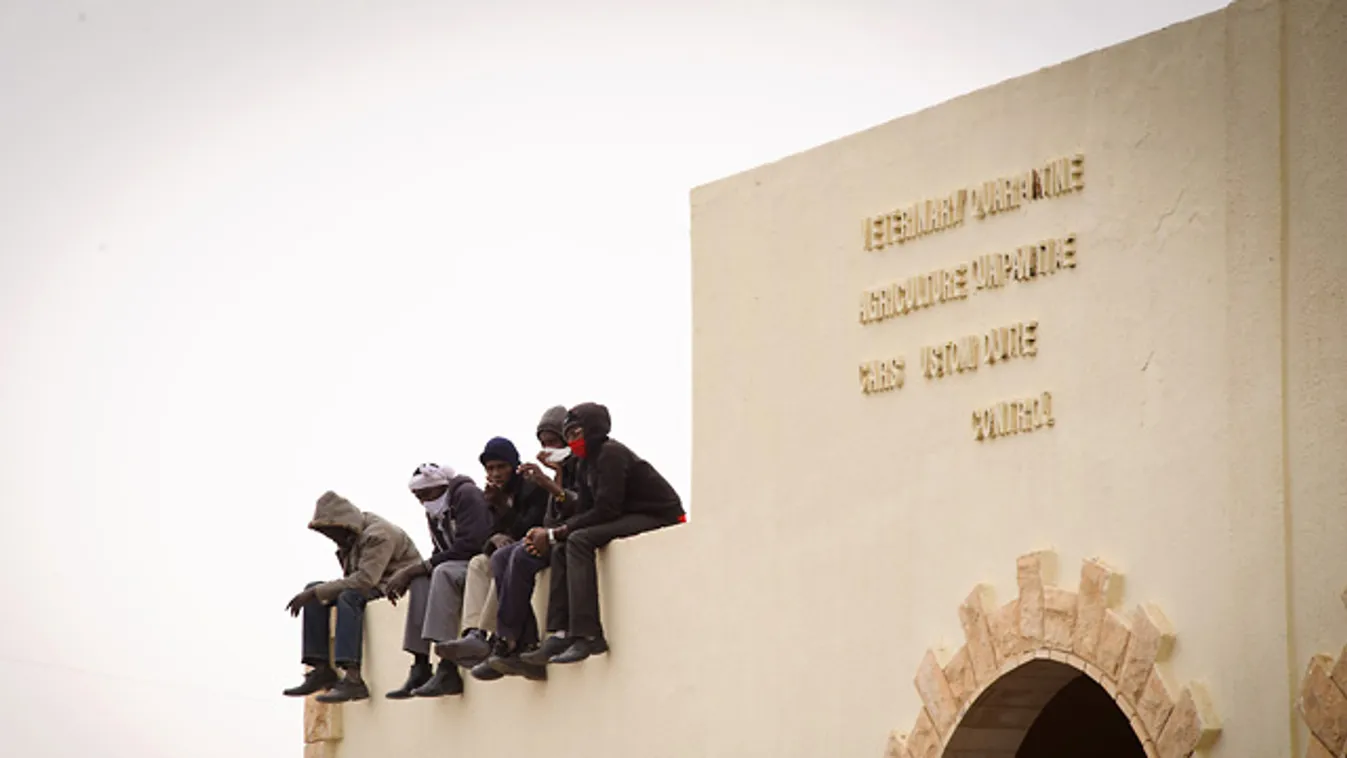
(472, 527)
(533, 512)
(376, 550)
(610, 491)
(557, 512)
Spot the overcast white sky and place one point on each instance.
(254, 249)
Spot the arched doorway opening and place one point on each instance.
(1044, 709)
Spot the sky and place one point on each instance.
(252, 250)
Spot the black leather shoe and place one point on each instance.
(483, 672)
(467, 651)
(446, 681)
(345, 691)
(582, 648)
(540, 655)
(317, 680)
(420, 674)
(511, 664)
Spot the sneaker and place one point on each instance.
(345, 691)
(318, 679)
(540, 655)
(582, 648)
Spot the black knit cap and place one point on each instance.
(499, 449)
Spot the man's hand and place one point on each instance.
(542, 458)
(397, 586)
(535, 542)
(494, 494)
(298, 602)
(532, 473)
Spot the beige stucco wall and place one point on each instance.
(1315, 321)
(1195, 357)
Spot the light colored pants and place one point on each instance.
(479, 596)
(456, 594)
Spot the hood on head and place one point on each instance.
(335, 510)
(593, 417)
(499, 449)
(552, 421)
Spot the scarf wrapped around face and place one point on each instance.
(428, 476)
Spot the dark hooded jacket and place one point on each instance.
(381, 549)
(524, 509)
(612, 480)
(524, 502)
(465, 525)
(560, 510)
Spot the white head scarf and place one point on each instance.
(428, 476)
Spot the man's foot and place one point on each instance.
(513, 666)
(420, 674)
(318, 679)
(446, 681)
(467, 651)
(344, 691)
(581, 648)
(509, 662)
(483, 672)
(540, 655)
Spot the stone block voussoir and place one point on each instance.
(1339, 672)
(1097, 585)
(1191, 726)
(1006, 639)
(959, 673)
(1059, 617)
(936, 693)
(1032, 573)
(1323, 705)
(1152, 639)
(975, 617)
(923, 741)
(1155, 704)
(1113, 638)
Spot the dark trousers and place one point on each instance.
(350, 629)
(515, 572)
(573, 600)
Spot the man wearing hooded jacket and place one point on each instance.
(370, 551)
(517, 505)
(620, 495)
(460, 523)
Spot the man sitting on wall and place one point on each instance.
(517, 506)
(370, 551)
(460, 523)
(620, 495)
(515, 568)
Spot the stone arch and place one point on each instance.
(1078, 629)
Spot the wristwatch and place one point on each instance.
(551, 537)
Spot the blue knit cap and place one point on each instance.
(499, 449)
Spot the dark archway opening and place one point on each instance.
(1081, 719)
(1044, 709)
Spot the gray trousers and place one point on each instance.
(435, 607)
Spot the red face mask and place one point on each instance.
(577, 447)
